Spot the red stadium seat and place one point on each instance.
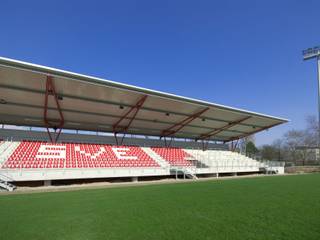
(36, 154)
(175, 156)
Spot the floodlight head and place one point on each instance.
(311, 53)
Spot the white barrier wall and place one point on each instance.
(205, 162)
(59, 174)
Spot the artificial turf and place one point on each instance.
(279, 207)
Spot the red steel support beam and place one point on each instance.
(117, 128)
(250, 133)
(216, 131)
(56, 125)
(178, 126)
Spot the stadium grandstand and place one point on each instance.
(70, 126)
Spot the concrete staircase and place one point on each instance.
(5, 184)
(8, 186)
(4, 145)
(187, 172)
(163, 163)
(6, 149)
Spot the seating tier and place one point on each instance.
(31, 154)
(175, 156)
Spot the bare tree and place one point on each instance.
(278, 145)
(298, 146)
(268, 152)
(294, 140)
(312, 131)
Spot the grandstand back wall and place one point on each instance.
(8, 134)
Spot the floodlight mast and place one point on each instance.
(311, 53)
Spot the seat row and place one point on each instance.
(175, 156)
(36, 154)
(31, 154)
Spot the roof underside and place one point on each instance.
(94, 104)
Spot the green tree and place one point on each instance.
(251, 148)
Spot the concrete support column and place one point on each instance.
(47, 183)
(134, 179)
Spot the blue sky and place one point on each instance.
(244, 54)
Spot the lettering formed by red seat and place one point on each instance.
(32, 154)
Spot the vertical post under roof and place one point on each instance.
(56, 125)
(117, 128)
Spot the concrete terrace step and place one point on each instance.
(156, 157)
(8, 149)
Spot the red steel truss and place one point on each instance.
(178, 126)
(55, 124)
(216, 131)
(117, 128)
(248, 134)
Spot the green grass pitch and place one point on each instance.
(279, 207)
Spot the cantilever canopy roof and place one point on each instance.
(95, 104)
